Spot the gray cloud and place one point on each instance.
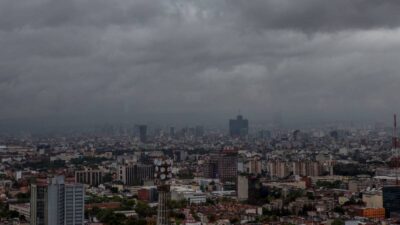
(307, 58)
(316, 15)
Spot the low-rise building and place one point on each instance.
(23, 209)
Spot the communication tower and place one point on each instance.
(162, 174)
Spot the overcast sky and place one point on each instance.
(199, 59)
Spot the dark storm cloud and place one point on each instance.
(56, 13)
(305, 57)
(317, 15)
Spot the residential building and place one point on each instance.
(135, 174)
(92, 177)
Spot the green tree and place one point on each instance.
(23, 197)
(338, 209)
(337, 222)
(172, 204)
(110, 218)
(114, 190)
(13, 214)
(234, 220)
(134, 221)
(127, 204)
(144, 210)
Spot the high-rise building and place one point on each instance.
(252, 165)
(38, 202)
(210, 168)
(278, 169)
(56, 202)
(135, 174)
(249, 188)
(222, 166)
(89, 176)
(306, 168)
(238, 127)
(74, 204)
(242, 188)
(227, 167)
(180, 155)
(391, 200)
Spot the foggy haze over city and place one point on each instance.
(199, 112)
(178, 61)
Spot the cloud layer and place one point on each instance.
(307, 58)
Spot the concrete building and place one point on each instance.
(391, 200)
(278, 169)
(148, 194)
(242, 188)
(373, 199)
(193, 196)
(56, 202)
(23, 209)
(372, 213)
(227, 167)
(135, 174)
(222, 166)
(306, 168)
(89, 176)
(74, 204)
(238, 127)
(38, 202)
(250, 165)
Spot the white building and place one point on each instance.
(22, 209)
(191, 195)
(242, 188)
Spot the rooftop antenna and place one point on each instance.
(394, 143)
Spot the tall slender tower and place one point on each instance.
(394, 136)
(330, 165)
(163, 173)
(395, 149)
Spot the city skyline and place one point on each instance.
(199, 112)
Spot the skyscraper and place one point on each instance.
(55, 202)
(391, 200)
(238, 127)
(74, 204)
(38, 202)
